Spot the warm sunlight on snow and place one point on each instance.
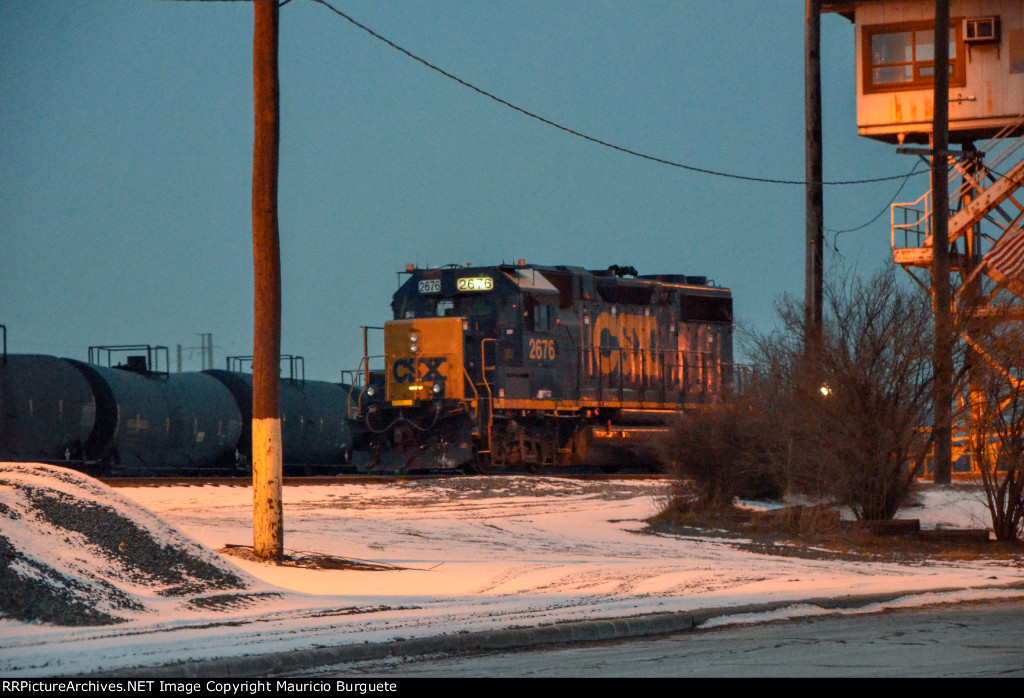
(475, 553)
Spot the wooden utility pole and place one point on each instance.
(267, 520)
(942, 428)
(813, 158)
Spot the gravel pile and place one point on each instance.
(74, 552)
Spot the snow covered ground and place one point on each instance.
(462, 554)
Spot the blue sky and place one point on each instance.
(126, 141)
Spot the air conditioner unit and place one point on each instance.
(982, 30)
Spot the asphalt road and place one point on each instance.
(968, 640)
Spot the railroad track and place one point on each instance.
(350, 479)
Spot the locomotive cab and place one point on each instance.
(464, 334)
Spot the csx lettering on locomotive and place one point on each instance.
(418, 370)
(622, 339)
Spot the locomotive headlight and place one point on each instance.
(437, 388)
(414, 337)
(413, 347)
(371, 391)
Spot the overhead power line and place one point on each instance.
(578, 134)
(837, 233)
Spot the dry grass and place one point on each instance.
(309, 560)
(816, 532)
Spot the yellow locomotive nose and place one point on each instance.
(423, 360)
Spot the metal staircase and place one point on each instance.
(986, 234)
(986, 209)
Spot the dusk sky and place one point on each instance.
(126, 140)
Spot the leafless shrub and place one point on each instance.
(719, 454)
(797, 520)
(996, 416)
(854, 408)
(845, 418)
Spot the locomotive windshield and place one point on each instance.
(467, 305)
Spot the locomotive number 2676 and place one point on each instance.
(474, 283)
(542, 349)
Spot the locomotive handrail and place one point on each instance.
(476, 393)
(694, 376)
(484, 368)
(366, 345)
(362, 370)
(364, 367)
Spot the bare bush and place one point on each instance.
(854, 408)
(719, 454)
(996, 434)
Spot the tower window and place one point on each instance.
(902, 56)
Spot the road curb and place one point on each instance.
(297, 661)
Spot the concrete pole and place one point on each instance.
(268, 523)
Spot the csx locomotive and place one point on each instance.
(528, 366)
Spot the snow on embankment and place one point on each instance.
(74, 552)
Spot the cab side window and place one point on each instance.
(539, 317)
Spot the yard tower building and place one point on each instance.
(896, 103)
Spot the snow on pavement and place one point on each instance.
(475, 554)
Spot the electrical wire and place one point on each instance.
(579, 134)
(837, 233)
(592, 139)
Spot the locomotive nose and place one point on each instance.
(423, 356)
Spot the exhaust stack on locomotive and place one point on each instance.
(531, 366)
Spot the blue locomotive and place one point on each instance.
(529, 366)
